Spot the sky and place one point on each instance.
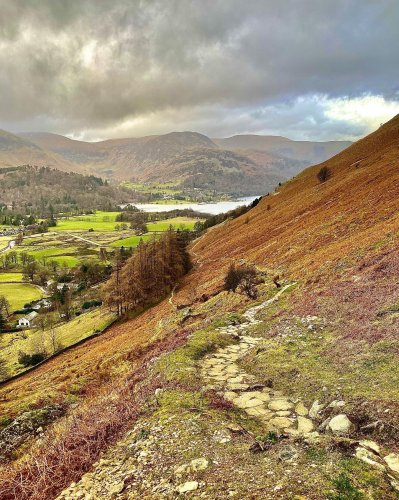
(97, 69)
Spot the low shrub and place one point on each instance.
(26, 359)
(91, 303)
(324, 174)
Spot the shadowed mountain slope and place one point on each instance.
(309, 151)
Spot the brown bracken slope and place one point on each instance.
(320, 234)
(307, 227)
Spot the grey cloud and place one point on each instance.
(95, 64)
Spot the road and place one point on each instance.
(10, 246)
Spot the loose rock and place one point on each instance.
(188, 486)
(340, 425)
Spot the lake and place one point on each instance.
(206, 208)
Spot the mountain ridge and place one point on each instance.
(159, 157)
(310, 151)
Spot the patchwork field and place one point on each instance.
(63, 335)
(4, 241)
(52, 250)
(19, 294)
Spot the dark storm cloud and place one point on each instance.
(103, 65)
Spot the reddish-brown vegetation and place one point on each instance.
(70, 448)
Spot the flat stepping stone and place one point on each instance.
(260, 412)
(259, 395)
(247, 401)
(280, 405)
(236, 380)
(219, 378)
(232, 369)
(216, 370)
(300, 409)
(281, 422)
(230, 395)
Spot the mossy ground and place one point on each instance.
(184, 423)
(299, 355)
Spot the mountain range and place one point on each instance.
(246, 164)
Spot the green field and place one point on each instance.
(66, 334)
(45, 253)
(19, 294)
(10, 277)
(177, 223)
(65, 260)
(100, 221)
(4, 241)
(64, 256)
(131, 242)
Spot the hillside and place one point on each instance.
(309, 151)
(16, 150)
(186, 158)
(77, 152)
(42, 187)
(226, 171)
(326, 342)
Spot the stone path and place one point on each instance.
(278, 412)
(221, 372)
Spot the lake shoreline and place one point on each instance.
(206, 208)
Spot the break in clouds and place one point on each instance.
(99, 68)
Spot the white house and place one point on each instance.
(26, 320)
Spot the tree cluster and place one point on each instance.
(243, 278)
(44, 191)
(149, 274)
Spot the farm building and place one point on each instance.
(26, 320)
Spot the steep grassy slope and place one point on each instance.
(308, 227)
(317, 233)
(333, 336)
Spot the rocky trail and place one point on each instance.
(222, 373)
(127, 471)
